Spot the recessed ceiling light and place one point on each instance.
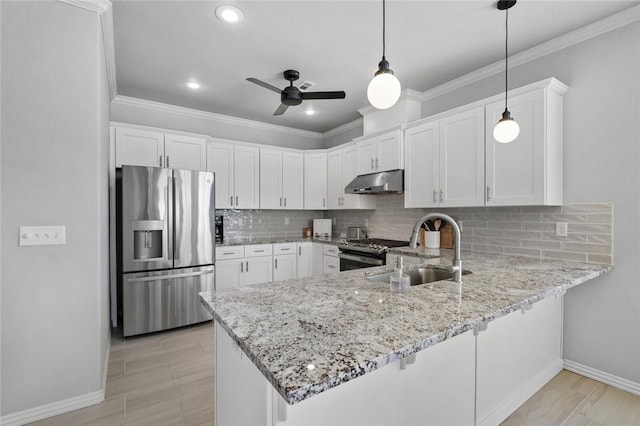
(192, 84)
(309, 112)
(229, 14)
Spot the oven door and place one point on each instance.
(349, 261)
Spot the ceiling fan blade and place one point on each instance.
(323, 95)
(281, 109)
(263, 84)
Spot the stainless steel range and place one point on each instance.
(365, 253)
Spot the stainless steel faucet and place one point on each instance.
(457, 261)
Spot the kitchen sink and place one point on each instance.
(419, 276)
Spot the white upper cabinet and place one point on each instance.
(342, 166)
(315, 180)
(281, 179)
(237, 174)
(445, 161)
(380, 152)
(527, 171)
(143, 147)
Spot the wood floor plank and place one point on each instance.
(147, 379)
(609, 405)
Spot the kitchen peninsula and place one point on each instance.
(342, 349)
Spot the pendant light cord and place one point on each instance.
(506, 57)
(383, 28)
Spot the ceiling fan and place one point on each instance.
(291, 95)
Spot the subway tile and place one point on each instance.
(505, 225)
(587, 248)
(599, 239)
(545, 245)
(487, 232)
(600, 218)
(523, 217)
(588, 208)
(564, 255)
(487, 248)
(571, 237)
(564, 217)
(522, 235)
(505, 242)
(522, 251)
(600, 258)
(543, 227)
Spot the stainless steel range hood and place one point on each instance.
(377, 183)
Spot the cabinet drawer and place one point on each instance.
(284, 248)
(234, 252)
(256, 250)
(330, 250)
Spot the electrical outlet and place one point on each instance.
(42, 235)
(561, 229)
(366, 221)
(286, 220)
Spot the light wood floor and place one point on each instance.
(167, 379)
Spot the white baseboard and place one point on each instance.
(601, 376)
(526, 391)
(59, 407)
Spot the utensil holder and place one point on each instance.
(432, 239)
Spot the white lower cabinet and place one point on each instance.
(243, 265)
(228, 273)
(285, 265)
(330, 259)
(318, 256)
(516, 355)
(305, 260)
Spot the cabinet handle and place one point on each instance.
(285, 249)
(231, 202)
(258, 251)
(276, 260)
(247, 266)
(299, 251)
(377, 162)
(441, 195)
(331, 266)
(488, 193)
(372, 164)
(168, 161)
(435, 196)
(323, 202)
(241, 267)
(236, 201)
(285, 201)
(160, 160)
(280, 201)
(227, 253)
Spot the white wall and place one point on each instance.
(601, 163)
(54, 312)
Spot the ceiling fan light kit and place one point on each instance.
(507, 129)
(384, 90)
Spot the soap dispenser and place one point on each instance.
(399, 282)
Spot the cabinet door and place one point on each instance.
(246, 176)
(367, 153)
(335, 186)
(292, 180)
(137, 147)
(284, 267)
(185, 152)
(390, 152)
(349, 172)
(258, 270)
(315, 181)
(462, 159)
(305, 260)
(330, 264)
(422, 165)
(220, 162)
(318, 256)
(515, 171)
(228, 273)
(271, 179)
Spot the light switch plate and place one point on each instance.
(42, 235)
(561, 229)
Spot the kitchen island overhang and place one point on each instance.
(311, 335)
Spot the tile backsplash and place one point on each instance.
(526, 231)
(258, 224)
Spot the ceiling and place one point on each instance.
(336, 44)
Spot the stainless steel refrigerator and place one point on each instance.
(166, 247)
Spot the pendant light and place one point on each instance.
(507, 129)
(384, 90)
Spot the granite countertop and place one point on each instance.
(346, 326)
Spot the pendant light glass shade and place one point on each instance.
(384, 90)
(507, 130)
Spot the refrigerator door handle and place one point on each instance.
(170, 214)
(170, 277)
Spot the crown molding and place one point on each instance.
(405, 95)
(343, 128)
(587, 32)
(105, 10)
(212, 116)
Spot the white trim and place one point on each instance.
(226, 119)
(601, 376)
(98, 6)
(526, 391)
(343, 128)
(595, 29)
(53, 409)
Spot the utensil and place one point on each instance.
(436, 224)
(430, 225)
